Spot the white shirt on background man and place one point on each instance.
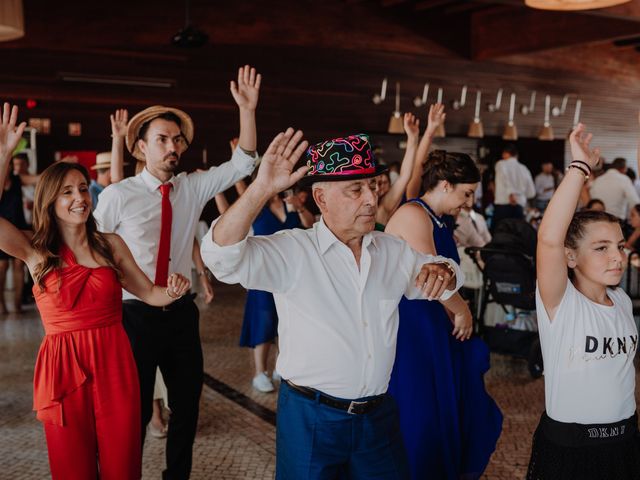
(545, 186)
(132, 208)
(616, 190)
(337, 324)
(512, 177)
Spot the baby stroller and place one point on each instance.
(508, 270)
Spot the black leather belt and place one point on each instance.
(353, 407)
(178, 304)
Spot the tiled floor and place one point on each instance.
(232, 442)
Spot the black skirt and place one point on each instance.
(586, 452)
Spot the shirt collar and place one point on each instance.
(326, 237)
(152, 182)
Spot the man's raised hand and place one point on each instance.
(119, 121)
(276, 172)
(246, 91)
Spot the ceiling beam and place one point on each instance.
(493, 31)
(424, 5)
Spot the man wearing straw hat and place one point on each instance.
(337, 287)
(156, 214)
(103, 180)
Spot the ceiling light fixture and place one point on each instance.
(11, 20)
(573, 4)
(396, 124)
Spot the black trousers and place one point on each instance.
(169, 339)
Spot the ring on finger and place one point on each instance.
(440, 277)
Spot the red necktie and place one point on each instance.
(162, 265)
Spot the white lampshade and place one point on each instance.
(572, 4)
(11, 20)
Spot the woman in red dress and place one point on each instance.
(86, 388)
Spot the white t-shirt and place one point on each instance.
(588, 353)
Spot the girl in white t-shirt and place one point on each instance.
(588, 337)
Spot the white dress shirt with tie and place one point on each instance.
(337, 324)
(132, 209)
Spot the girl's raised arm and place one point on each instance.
(551, 262)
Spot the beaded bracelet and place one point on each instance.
(582, 170)
(583, 163)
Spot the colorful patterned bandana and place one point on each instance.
(342, 159)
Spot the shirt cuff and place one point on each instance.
(459, 278)
(243, 162)
(221, 260)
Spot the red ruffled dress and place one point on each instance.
(86, 389)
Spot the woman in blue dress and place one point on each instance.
(450, 425)
(260, 323)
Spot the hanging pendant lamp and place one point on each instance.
(395, 122)
(11, 20)
(573, 4)
(511, 131)
(476, 130)
(546, 133)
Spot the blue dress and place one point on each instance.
(450, 425)
(260, 323)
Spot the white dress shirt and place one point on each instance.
(337, 324)
(512, 177)
(132, 208)
(616, 190)
(545, 186)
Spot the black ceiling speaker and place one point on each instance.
(189, 36)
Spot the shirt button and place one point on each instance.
(365, 324)
(369, 355)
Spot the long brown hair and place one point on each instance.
(47, 240)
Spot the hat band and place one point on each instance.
(357, 171)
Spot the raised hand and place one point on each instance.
(411, 126)
(247, 90)
(580, 148)
(9, 134)
(276, 172)
(435, 119)
(119, 122)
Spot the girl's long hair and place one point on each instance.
(47, 240)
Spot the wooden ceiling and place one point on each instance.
(322, 59)
(474, 29)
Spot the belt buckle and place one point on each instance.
(352, 405)
(166, 308)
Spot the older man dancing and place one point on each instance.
(337, 287)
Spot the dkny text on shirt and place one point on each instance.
(611, 346)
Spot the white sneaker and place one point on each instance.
(262, 383)
(275, 376)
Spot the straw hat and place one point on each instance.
(103, 160)
(148, 114)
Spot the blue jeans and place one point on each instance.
(318, 442)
